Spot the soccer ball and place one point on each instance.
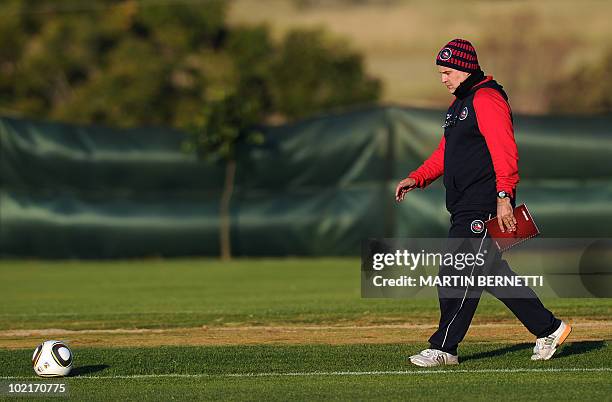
(52, 359)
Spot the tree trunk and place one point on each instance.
(224, 211)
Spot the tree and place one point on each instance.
(233, 115)
(229, 122)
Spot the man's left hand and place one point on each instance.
(505, 215)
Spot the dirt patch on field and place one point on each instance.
(511, 332)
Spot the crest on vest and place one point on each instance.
(456, 116)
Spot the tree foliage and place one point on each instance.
(312, 73)
(130, 63)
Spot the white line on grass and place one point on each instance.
(336, 373)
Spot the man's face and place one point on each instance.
(451, 77)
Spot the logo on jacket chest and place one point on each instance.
(452, 119)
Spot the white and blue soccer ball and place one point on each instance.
(52, 359)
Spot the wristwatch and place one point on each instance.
(503, 194)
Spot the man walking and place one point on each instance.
(478, 157)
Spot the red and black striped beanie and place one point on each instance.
(460, 55)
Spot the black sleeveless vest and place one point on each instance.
(469, 176)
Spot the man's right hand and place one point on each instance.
(403, 187)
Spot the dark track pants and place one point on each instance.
(457, 305)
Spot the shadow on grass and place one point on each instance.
(577, 348)
(497, 352)
(84, 370)
(568, 349)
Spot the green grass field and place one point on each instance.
(581, 371)
(176, 293)
(93, 299)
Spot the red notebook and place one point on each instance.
(526, 228)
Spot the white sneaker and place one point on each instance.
(433, 357)
(546, 347)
